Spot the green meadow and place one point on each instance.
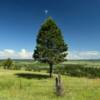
(21, 84)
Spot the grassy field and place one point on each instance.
(33, 85)
(24, 85)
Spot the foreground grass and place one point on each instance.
(24, 85)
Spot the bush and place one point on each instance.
(78, 70)
(7, 63)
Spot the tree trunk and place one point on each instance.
(51, 68)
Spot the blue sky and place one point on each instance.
(79, 21)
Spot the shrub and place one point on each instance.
(7, 63)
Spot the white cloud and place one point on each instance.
(25, 54)
(46, 11)
(84, 55)
(9, 53)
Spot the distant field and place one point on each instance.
(29, 61)
(88, 62)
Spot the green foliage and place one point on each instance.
(7, 63)
(16, 67)
(50, 46)
(78, 70)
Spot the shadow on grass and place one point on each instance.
(32, 75)
(77, 70)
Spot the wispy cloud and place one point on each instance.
(9, 53)
(84, 55)
(25, 54)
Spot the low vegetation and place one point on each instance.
(79, 70)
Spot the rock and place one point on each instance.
(59, 86)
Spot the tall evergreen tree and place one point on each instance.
(50, 47)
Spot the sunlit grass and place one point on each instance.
(13, 87)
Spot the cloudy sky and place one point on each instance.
(79, 21)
